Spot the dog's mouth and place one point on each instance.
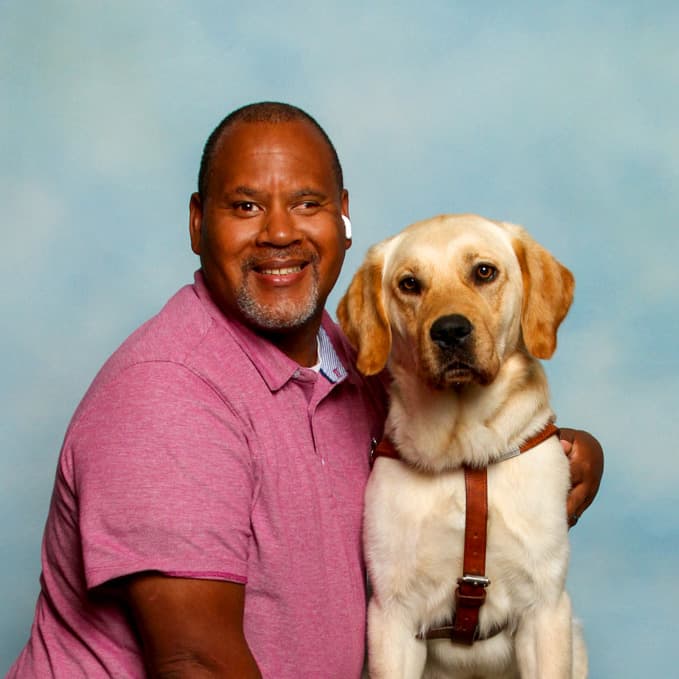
(458, 372)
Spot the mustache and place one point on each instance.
(291, 252)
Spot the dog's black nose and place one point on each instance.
(451, 331)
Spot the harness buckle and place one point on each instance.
(474, 581)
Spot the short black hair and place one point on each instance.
(261, 112)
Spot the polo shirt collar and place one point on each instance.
(331, 365)
(275, 367)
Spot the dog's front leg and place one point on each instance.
(393, 650)
(544, 641)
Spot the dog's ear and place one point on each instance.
(547, 293)
(363, 318)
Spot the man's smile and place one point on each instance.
(281, 271)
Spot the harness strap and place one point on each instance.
(385, 448)
(471, 587)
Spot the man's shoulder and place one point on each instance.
(173, 334)
(182, 338)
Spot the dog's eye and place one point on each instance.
(484, 273)
(410, 285)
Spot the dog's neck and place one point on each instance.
(473, 425)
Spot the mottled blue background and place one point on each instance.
(560, 116)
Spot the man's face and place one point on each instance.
(269, 231)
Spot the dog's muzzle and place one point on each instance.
(453, 339)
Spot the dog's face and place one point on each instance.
(450, 297)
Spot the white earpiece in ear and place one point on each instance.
(347, 226)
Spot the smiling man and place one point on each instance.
(207, 508)
(267, 226)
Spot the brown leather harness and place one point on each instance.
(471, 587)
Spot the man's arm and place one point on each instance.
(190, 627)
(586, 458)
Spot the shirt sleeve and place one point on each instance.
(164, 478)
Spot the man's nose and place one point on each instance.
(279, 228)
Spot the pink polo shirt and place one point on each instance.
(202, 451)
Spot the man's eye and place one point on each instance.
(245, 206)
(307, 205)
(410, 285)
(485, 273)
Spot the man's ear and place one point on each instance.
(548, 288)
(195, 221)
(363, 318)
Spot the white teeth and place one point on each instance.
(282, 271)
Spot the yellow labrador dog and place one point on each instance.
(459, 309)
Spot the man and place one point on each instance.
(207, 507)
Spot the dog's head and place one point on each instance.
(451, 297)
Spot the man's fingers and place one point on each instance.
(577, 503)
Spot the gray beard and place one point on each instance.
(283, 316)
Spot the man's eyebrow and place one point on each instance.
(246, 191)
(303, 192)
(308, 191)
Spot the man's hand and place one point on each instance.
(587, 466)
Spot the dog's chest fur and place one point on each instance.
(414, 537)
